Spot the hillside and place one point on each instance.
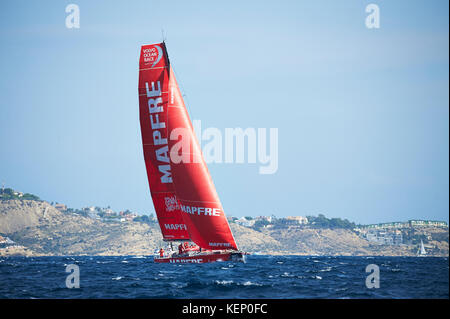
(46, 231)
(39, 229)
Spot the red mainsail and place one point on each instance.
(153, 114)
(165, 123)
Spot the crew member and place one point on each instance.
(161, 253)
(180, 249)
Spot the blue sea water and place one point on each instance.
(260, 277)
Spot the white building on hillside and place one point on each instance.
(245, 222)
(299, 219)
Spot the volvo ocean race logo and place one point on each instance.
(152, 55)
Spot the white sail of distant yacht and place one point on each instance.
(421, 251)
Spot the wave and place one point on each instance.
(249, 283)
(224, 282)
(296, 277)
(231, 282)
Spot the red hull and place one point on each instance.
(201, 258)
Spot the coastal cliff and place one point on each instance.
(39, 229)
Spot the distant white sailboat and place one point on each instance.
(421, 252)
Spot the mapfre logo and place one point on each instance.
(171, 203)
(175, 226)
(152, 55)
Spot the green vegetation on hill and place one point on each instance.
(9, 193)
(76, 211)
(259, 224)
(333, 223)
(143, 219)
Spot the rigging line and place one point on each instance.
(183, 91)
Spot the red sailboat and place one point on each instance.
(185, 199)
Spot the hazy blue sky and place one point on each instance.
(362, 114)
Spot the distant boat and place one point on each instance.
(421, 252)
(185, 199)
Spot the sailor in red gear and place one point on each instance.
(180, 249)
(161, 252)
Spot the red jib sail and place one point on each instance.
(190, 180)
(203, 213)
(153, 113)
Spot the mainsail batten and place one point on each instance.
(186, 181)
